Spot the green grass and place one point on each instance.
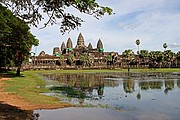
(156, 70)
(29, 87)
(106, 70)
(30, 84)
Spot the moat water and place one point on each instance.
(110, 96)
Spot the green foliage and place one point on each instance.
(108, 58)
(168, 55)
(178, 56)
(61, 57)
(137, 42)
(156, 56)
(71, 58)
(165, 46)
(85, 59)
(128, 54)
(32, 11)
(143, 54)
(15, 39)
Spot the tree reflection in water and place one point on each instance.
(92, 85)
(169, 85)
(178, 83)
(128, 86)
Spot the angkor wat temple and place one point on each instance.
(86, 57)
(80, 56)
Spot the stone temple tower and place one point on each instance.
(99, 44)
(80, 42)
(56, 51)
(63, 46)
(69, 43)
(90, 46)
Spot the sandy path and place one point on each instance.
(14, 100)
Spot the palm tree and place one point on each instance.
(156, 57)
(109, 59)
(129, 55)
(178, 57)
(159, 57)
(138, 43)
(165, 46)
(143, 55)
(169, 57)
(61, 60)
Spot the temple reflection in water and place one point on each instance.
(89, 85)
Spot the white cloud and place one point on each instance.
(153, 22)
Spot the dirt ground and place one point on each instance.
(13, 100)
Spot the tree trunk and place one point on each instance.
(18, 71)
(0, 67)
(128, 68)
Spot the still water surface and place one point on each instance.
(115, 96)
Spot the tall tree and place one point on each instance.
(169, 57)
(71, 59)
(109, 59)
(156, 58)
(178, 57)
(33, 11)
(137, 43)
(143, 54)
(15, 39)
(85, 59)
(129, 56)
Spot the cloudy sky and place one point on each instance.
(153, 22)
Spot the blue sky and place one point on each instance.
(153, 22)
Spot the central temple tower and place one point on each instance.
(80, 42)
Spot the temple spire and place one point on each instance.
(99, 44)
(90, 46)
(69, 43)
(80, 42)
(63, 46)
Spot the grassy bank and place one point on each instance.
(105, 70)
(29, 85)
